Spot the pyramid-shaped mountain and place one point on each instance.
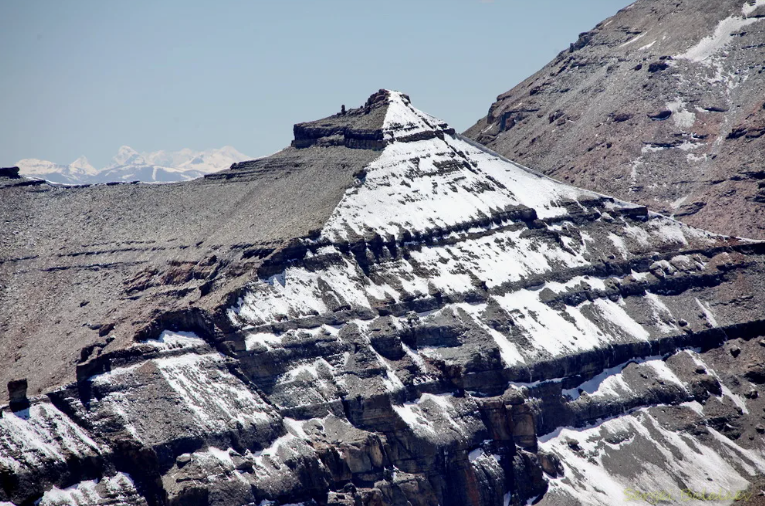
(383, 313)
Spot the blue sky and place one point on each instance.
(85, 77)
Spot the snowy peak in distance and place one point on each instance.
(83, 166)
(212, 160)
(130, 165)
(128, 156)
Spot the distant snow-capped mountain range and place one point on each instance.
(130, 165)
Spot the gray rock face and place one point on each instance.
(440, 326)
(355, 128)
(661, 104)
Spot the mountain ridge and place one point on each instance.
(659, 104)
(130, 165)
(431, 325)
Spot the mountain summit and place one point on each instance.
(383, 313)
(661, 104)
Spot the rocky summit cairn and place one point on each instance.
(433, 324)
(662, 104)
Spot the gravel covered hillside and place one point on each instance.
(662, 104)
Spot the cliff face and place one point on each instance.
(433, 325)
(661, 104)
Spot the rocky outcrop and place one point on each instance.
(362, 127)
(17, 394)
(9, 172)
(456, 329)
(661, 104)
(354, 128)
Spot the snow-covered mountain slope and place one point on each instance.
(431, 325)
(78, 169)
(129, 165)
(661, 104)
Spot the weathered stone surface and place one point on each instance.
(456, 330)
(17, 394)
(660, 104)
(354, 128)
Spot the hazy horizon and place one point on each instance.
(84, 78)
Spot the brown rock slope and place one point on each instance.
(661, 104)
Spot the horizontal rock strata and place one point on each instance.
(457, 330)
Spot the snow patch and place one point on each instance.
(707, 47)
(39, 435)
(633, 40)
(682, 117)
(682, 462)
(749, 8)
(705, 308)
(120, 489)
(169, 340)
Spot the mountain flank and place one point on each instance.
(661, 104)
(383, 313)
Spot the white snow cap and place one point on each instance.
(446, 179)
(127, 155)
(402, 120)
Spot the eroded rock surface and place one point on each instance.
(661, 104)
(455, 329)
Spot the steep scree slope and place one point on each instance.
(451, 329)
(661, 104)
